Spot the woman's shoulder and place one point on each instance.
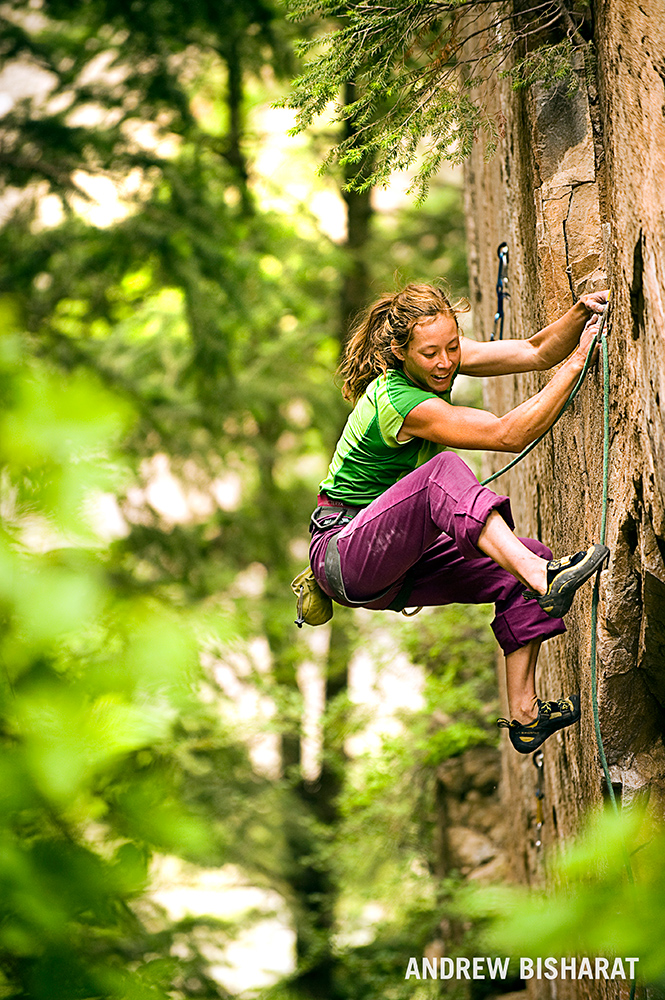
(396, 394)
(396, 381)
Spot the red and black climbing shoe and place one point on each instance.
(552, 716)
(565, 576)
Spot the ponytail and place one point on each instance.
(365, 355)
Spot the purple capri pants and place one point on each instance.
(428, 523)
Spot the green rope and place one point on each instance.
(602, 339)
(598, 337)
(576, 388)
(594, 616)
(596, 589)
(596, 598)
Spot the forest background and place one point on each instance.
(176, 287)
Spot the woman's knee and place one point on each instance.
(452, 464)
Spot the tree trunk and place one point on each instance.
(355, 287)
(234, 99)
(315, 882)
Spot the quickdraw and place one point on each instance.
(501, 290)
(540, 795)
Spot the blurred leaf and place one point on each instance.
(590, 905)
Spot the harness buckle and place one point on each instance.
(323, 518)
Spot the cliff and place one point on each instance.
(577, 191)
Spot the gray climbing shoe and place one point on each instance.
(565, 576)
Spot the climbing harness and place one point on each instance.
(327, 516)
(540, 795)
(323, 518)
(314, 606)
(596, 589)
(501, 290)
(333, 570)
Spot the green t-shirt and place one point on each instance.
(369, 458)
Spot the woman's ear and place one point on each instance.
(397, 350)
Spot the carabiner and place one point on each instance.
(501, 290)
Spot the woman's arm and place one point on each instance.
(464, 427)
(541, 351)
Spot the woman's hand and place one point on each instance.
(595, 302)
(588, 333)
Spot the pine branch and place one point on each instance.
(414, 65)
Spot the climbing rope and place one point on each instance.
(600, 338)
(595, 599)
(596, 588)
(599, 335)
(594, 616)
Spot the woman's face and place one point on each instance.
(433, 353)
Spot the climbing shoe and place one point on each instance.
(565, 576)
(552, 716)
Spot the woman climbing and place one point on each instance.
(402, 522)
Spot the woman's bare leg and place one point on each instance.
(498, 542)
(521, 683)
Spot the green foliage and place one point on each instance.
(386, 854)
(589, 905)
(550, 64)
(191, 305)
(215, 323)
(457, 650)
(152, 56)
(425, 243)
(92, 689)
(196, 327)
(377, 969)
(414, 67)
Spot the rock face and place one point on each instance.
(470, 826)
(473, 831)
(577, 191)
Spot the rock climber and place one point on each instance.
(402, 522)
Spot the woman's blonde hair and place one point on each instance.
(391, 319)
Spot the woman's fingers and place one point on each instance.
(589, 332)
(596, 301)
